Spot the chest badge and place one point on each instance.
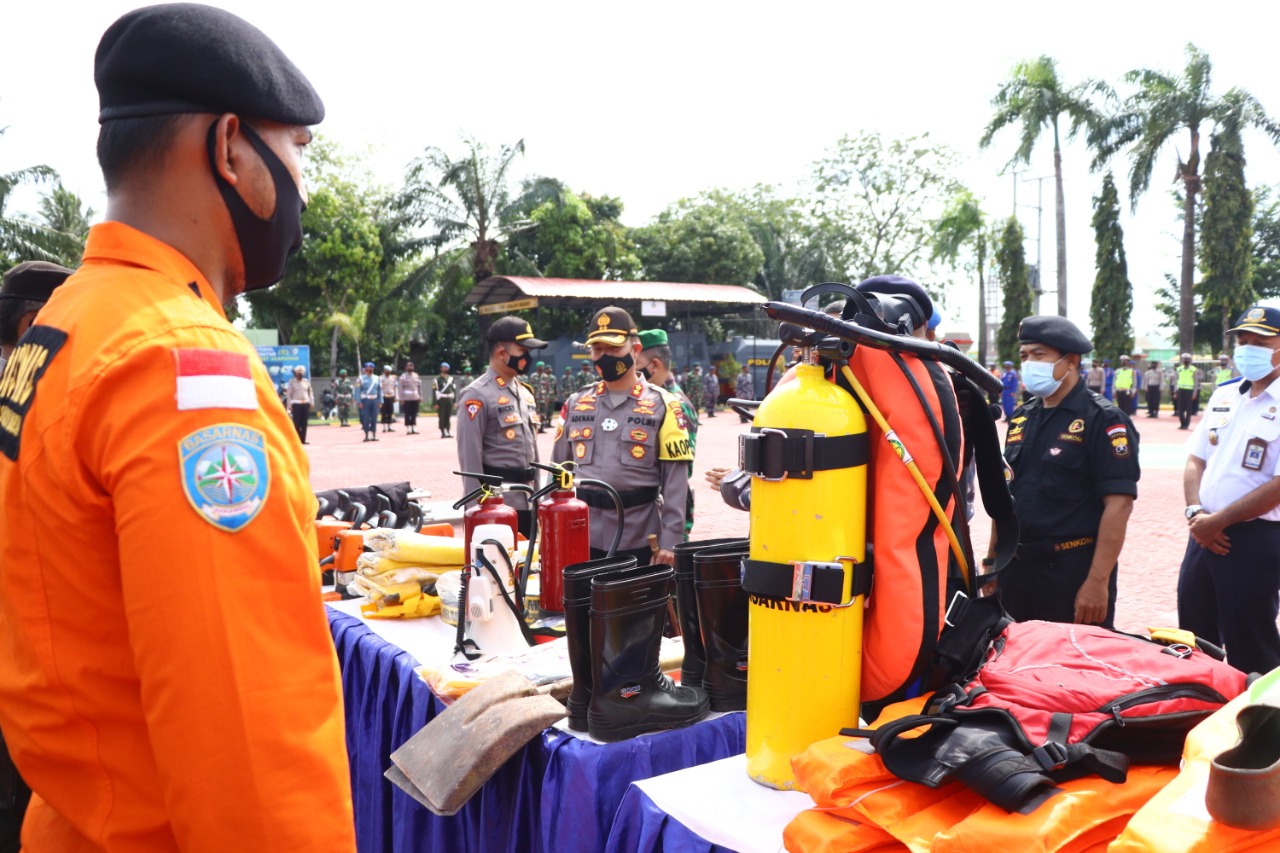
(510, 434)
(609, 425)
(587, 431)
(503, 400)
(1077, 426)
(1054, 451)
(639, 435)
(637, 451)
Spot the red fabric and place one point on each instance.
(211, 362)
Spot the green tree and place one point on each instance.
(1164, 105)
(19, 236)
(961, 240)
(568, 239)
(701, 240)
(1112, 303)
(63, 226)
(1265, 261)
(1226, 227)
(340, 263)
(1036, 99)
(875, 203)
(1015, 285)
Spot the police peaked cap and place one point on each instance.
(1260, 320)
(515, 330)
(611, 326)
(1054, 331)
(190, 58)
(918, 301)
(33, 280)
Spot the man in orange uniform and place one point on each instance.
(167, 680)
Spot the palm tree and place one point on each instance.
(1035, 98)
(469, 199)
(1164, 105)
(19, 237)
(962, 228)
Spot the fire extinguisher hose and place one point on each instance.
(903, 454)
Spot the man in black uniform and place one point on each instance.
(1074, 458)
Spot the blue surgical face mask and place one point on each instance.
(1254, 361)
(1038, 377)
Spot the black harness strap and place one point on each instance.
(803, 581)
(776, 454)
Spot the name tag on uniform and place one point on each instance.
(1255, 452)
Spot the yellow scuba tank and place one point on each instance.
(807, 574)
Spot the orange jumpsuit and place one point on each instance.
(167, 678)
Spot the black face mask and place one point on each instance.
(647, 373)
(611, 367)
(265, 244)
(519, 363)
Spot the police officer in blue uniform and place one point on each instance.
(1074, 459)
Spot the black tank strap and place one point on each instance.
(777, 454)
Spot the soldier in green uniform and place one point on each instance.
(565, 387)
(345, 393)
(654, 364)
(586, 376)
(695, 388)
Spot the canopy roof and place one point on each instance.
(500, 294)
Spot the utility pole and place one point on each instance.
(1038, 286)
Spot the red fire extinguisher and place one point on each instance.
(564, 522)
(490, 508)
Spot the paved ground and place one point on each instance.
(1148, 566)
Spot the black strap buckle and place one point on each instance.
(1051, 756)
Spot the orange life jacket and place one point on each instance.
(1175, 820)
(856, 795)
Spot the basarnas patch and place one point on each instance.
(225, 474)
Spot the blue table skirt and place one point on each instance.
(559, 793)
(641, 825)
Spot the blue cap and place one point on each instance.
(1259, 320)
(368, 364)
(445, 365)
(936, 320)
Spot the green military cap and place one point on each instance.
(541, 364)
(650, 338)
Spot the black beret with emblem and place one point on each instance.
(514, 329)
(1260, 320)
(611, 326)
(1054, 331)
(190, 58)
(33, 280)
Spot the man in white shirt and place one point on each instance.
(1229, 585)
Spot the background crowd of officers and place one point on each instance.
(1135, 384)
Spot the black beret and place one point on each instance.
(33, 280)
(1054, 331)
(918, 304)
(189, 58)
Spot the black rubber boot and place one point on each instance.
(691, 672)
(629, 693)
(577, 629)
(722, 615)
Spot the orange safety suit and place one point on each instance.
(167, 678)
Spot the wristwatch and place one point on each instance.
(1193, 510)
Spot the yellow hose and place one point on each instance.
(901, 450)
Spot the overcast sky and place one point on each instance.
(657, 101)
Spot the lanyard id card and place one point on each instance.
(1255, 452)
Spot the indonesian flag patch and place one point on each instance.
(213, 379)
